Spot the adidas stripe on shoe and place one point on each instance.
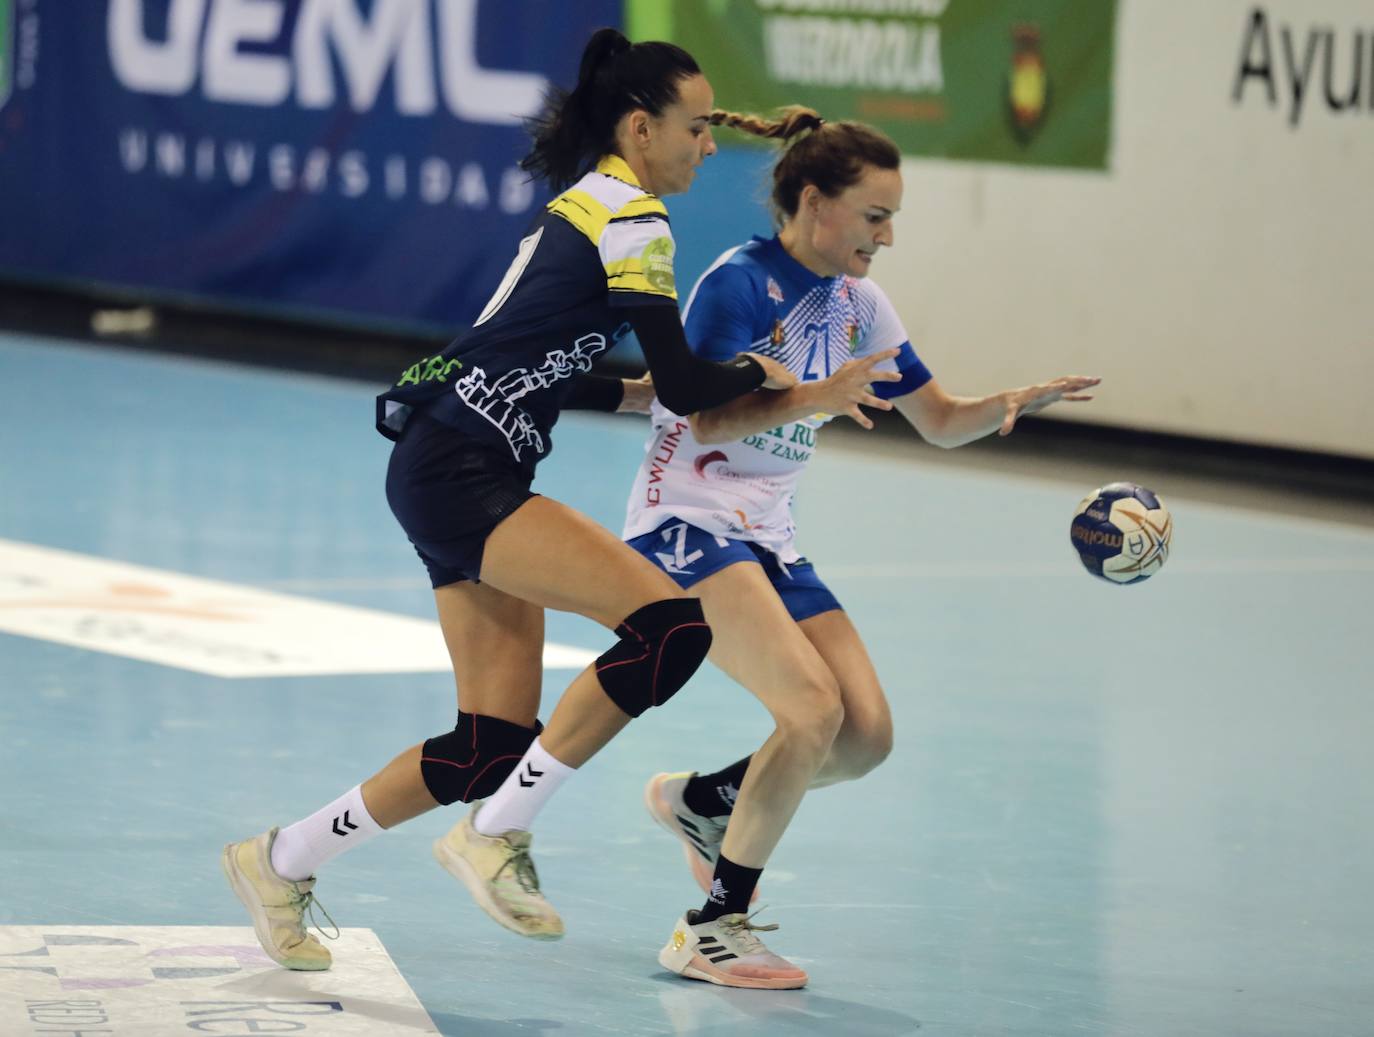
(726, 952)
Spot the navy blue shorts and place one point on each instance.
(449, 491)
(689, 555)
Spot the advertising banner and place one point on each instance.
(984, 80)
(355, 158)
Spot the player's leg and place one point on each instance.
(552, 556)
(495, 642)
(865, 738)
(757, 643)
(696, 806)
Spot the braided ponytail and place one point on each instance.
(831, 155)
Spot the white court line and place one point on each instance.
(208, 626)
(156, 980)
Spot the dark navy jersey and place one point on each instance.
(601, 246)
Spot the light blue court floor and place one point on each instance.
(1146, 810)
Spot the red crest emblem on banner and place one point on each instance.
(1028, 83)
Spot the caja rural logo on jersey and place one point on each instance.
(1028, 83)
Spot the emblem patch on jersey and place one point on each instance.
(657, 263)
(774, 290)
(852, 335)
(777, 336)
(699, 465)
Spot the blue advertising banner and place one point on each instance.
(351, 157)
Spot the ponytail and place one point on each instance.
(615, 76)
(831, 155)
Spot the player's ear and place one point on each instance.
(640, 127)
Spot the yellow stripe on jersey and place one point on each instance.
(614, 165)
(583, 211)
(628, 276)
(639, 251)
(628, 226)
(644, 205)
(650, 271)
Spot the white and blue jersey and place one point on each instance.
(758, 298)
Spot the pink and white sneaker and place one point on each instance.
(700, 836)
(726, 952)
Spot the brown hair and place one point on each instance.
(831, 155)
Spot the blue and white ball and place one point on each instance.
(1121, 532)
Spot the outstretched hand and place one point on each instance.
(1034, 398)
(849, 388)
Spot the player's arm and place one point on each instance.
(684, 381)
(610, 395)
(636, 249)
(844, 392)
(950, 421)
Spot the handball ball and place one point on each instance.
(1121, 532)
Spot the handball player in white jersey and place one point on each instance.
(711, 506)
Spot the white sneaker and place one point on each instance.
(498, 872)
(700, 836)
(276, 905)
(727, 952)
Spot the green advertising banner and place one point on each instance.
(1019, 81)
(6, 51)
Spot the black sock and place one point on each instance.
(732, 887)
(713, 795)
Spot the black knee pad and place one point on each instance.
(472, 760)
(660, 647)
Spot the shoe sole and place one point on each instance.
(691, 965)
(665, 818)
(243, 889)
(477, 888)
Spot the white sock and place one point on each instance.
(301, 848)
(523, 794)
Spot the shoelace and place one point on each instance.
(307, 903)
(523, 866)
(744, 929)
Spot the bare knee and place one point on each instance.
(811, 718)
(860, 747)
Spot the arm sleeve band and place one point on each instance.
(686, 383)
(914, 375)
(595, 392)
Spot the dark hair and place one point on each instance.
(616, 76)
(831, 155)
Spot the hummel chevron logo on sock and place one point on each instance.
(529, 769)
(346, 823)
(717, 893)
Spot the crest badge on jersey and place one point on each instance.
(774, 290)
(777, 334)
(656, 261)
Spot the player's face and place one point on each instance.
(681, 138)
(851, 227)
